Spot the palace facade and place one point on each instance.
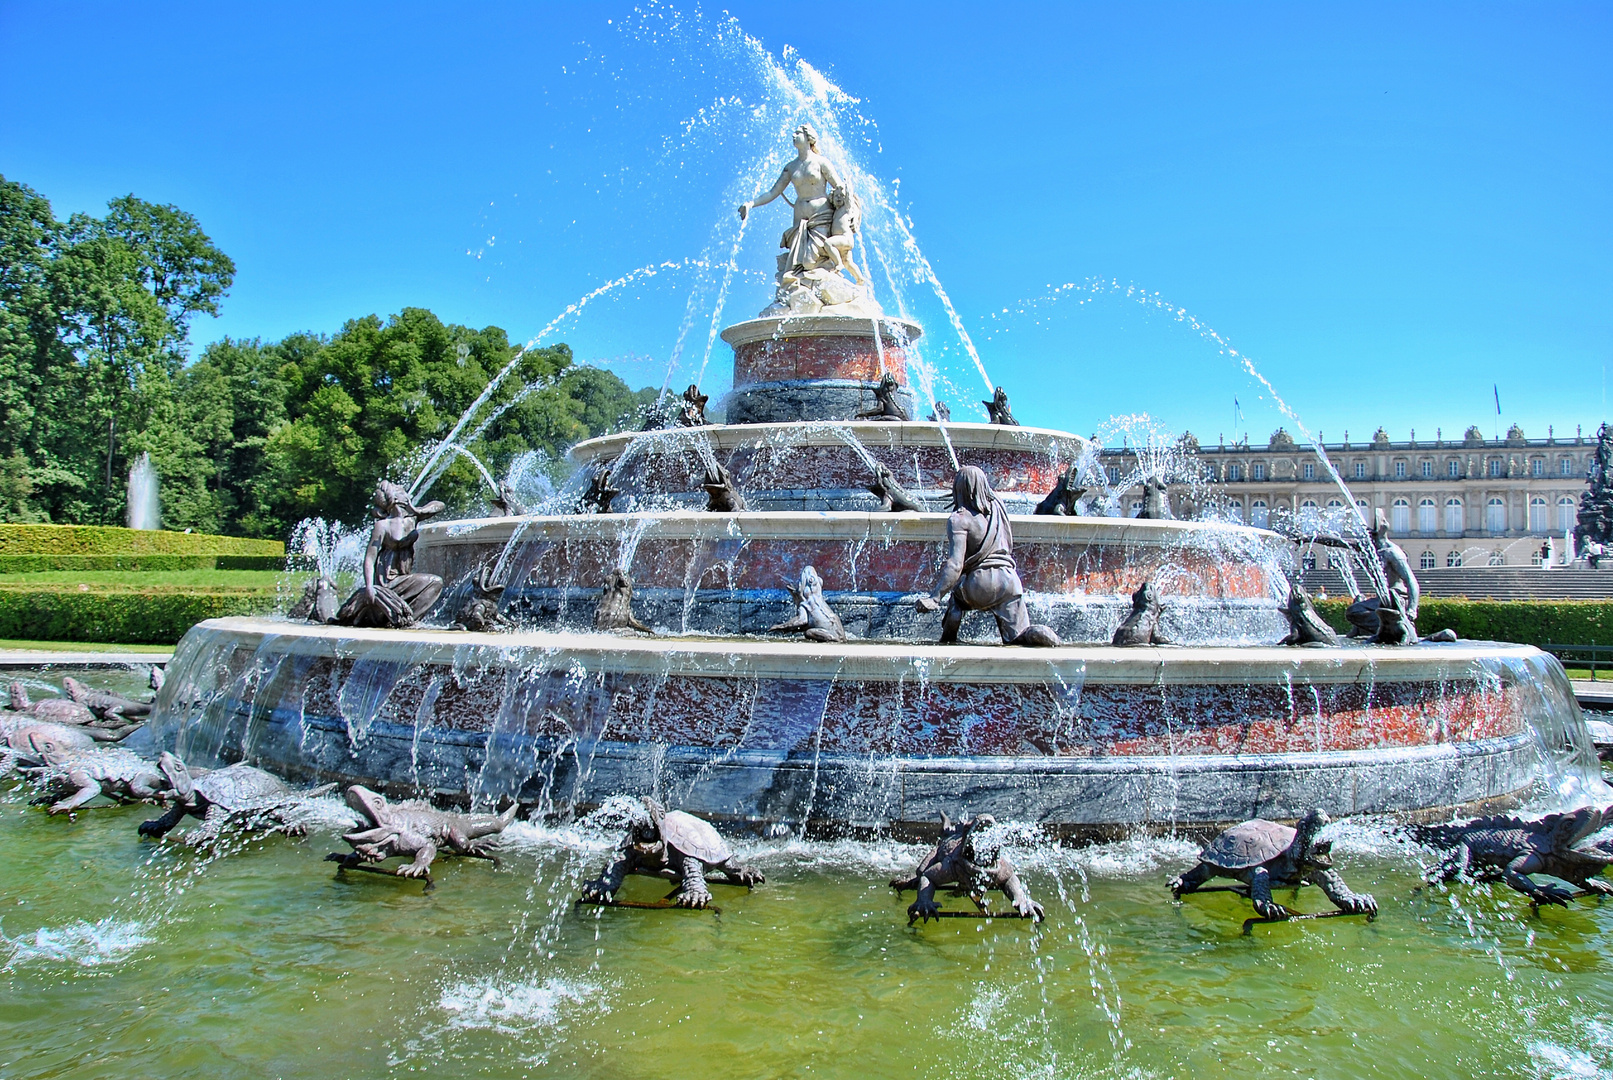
(1466, 502)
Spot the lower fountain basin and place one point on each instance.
(875, 736)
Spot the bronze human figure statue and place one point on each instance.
(393, 595)
(997, 410)
(941, 415)
(1404, 593)
(980, 573)
(887, 407)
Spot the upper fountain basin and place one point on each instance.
(827, 465)
(815, 367)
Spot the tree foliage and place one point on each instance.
(252, 435)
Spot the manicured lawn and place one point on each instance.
(209, 580)
(81, 646)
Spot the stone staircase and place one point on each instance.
(1485, 583)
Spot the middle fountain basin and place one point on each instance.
(875, 736)
(727, 573)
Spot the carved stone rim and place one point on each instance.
(886, 661)
(822, 525)
(882, 434)
(778, 327)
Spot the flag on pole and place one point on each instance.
(1497, 390)
(1237, 412)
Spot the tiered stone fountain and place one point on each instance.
(887, 729)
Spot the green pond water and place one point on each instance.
(127, 958)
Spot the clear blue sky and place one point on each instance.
(1389, 208)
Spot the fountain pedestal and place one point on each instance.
(816, 367)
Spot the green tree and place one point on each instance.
(371, 399)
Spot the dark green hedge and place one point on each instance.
(110, 540)
(33, 564)
(1528, 622)
(134, 617)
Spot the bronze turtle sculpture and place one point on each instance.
(1265, 855)
(673, 845)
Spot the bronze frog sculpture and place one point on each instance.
(812, 612)
(416, 831)
(955, 863)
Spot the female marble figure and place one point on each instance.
(806, 241)
(393, 594)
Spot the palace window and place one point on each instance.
(1427, 561)
(1428, 470)
(1453, 558)
(1307, 563)
(1498, 558)
(1453, 468)
(1454, 524)
(1234, 472)
(1235, 510)
(1113, 473)
(1495, 518)
(1310, 470)
(1400, 470)
(1537, 515)
(1364, 510)
(1495, 466)
(1537, 466)
(1308, 517)
(1136, 508)
(1259, 516)
(1400, 517)
(1427, 517)
(1566, 517)
(1565, 465)
(1257, 471)
(1360, 470)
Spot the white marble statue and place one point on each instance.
(818, 245)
